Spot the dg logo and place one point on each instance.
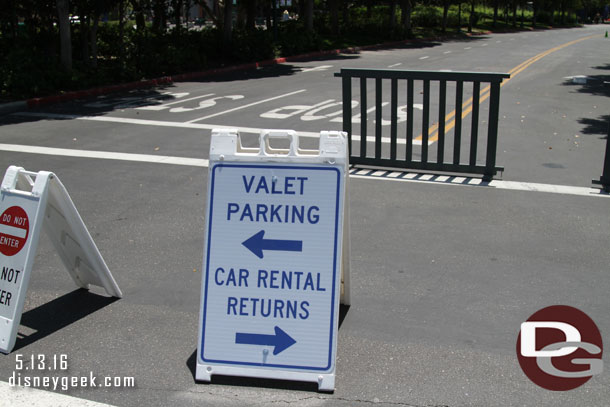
(560, 348)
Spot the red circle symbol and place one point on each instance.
(14, 230)
(559, 348)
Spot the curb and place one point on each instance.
(11, 107)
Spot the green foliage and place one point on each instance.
(29, 60)
(251, 45)
(426, 16)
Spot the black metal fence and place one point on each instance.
(402, 120)
(604, 180)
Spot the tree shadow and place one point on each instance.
(600, 126)
(598, 85)
(63, 311)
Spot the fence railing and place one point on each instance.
(604, 180)
(404, 90)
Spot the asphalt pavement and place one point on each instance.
(443, 271)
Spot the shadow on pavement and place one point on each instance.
(597, 85)
(596, 126)
(59, 313)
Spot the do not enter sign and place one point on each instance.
(14, 230)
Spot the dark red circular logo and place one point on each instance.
(14, 230)
(560, 348)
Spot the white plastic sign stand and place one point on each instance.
(29, 200)
(276, 247)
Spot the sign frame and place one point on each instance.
(227, 152)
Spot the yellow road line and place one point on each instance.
(484, 94)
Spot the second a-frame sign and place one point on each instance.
(29, 201)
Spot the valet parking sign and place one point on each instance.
(272, 261)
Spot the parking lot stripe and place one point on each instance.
(158, 123)
(108, 155)
(354, 172)
(477, 182)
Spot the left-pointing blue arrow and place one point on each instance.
(280, 341)
(257, 243)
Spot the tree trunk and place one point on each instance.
(392, 15)
(471, 19)
(309, 15)
(251, 15)
(65, 41)
(268, 14)
(334, 16)
(93, 39)
(535, 16)
(405, 18)
(495, 20)
(345, 13)
(227, 30)
(84, 38)
(445, 14)
(178, 14)
(514, 4)
(139, 13)
(160, 15)
(121, 33)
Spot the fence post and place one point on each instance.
(346, 85)
(605, 178)
(492, 131)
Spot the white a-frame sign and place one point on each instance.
(29, 200)
(276, 258)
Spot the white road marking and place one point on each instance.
(426, 57)
(107, 155)
(157, 123)
(204, 104)
(484, 45)
(165, 105)
(248, 105)
(354, 173)
(317, 68)
(468, 48)
(18, 396)
(394, 65)
(447, 52)
(477, 182)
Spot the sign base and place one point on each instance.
(326, 382)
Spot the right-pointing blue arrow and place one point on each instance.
(257, 243)
(280, 341)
